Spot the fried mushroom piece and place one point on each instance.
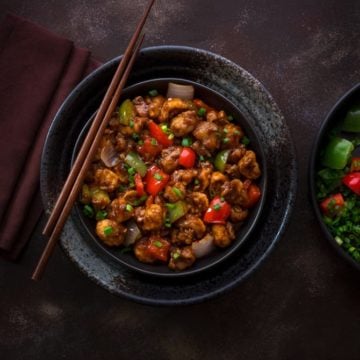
(248, 165)
(188, 228)
(141, 107)
(238, 214)
(199, 203)
(204, 177)
(153, 217)
(208, 133)
(110, 232)
(174, 106)
(106, 180)
(223, 234)
(169, 159)
(175, 192)
(155, 105)
(120, 211)
(141, 252)
(236, 154)
(184, 123)
(234, 192)
(185, 176)
(181, 258)
(217, 180)
(232, 135)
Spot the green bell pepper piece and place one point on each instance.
(126, 112)
(134, 161)
(352, 120)
(176, 210)
(221, 159)
(337, 153)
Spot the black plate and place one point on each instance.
(267, 122)
(331, 123)
(218, 102)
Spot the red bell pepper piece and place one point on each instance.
(187, 157)
(139, 185)
(159, 135)
(332, 205)
(352, 181)
(150, 148)
(218, 212)
(253, 195)
(156, 180)
(158, 248)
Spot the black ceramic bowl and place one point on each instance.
(331, 124)
(217, 101)
(267, 127)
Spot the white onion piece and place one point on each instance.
(185, 92)
(133, 233)
(204, 246)
(109, 155)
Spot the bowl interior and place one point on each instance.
(331, 125)
(217, 101)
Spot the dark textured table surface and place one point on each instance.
(303, 302)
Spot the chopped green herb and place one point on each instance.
(177, 191)
(139, 201)
(167, 222)
(88, 211)
(245, 140)
(158, 177)
(164, 128)
(230, 118)
(201, 158)
(201, 112)
(171, 136)
(237, 132)
(101, 215)
(176, 255)
(108, 230)
(153, 93)
(158, 244)
(226, 140)
(129, 208)
(125, 250)
(135, 136)
(131, 171)
(140, 142)
(217, 207)
(154, 142)
(131, 123)
(196, 182)
(186, 142)
(226, 131)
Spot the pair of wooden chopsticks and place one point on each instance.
(71, 188)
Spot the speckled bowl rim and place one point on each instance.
(328, 123)
(120, 282)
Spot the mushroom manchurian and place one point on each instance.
(172, 180)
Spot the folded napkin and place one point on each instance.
(38, 69)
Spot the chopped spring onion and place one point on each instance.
(153, 92)
(108, 230)
(201, 112)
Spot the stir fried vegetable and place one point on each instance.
(338, 185)
(175, 179)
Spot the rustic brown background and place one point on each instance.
(303, 302)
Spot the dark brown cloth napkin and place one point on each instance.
(38, 69)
